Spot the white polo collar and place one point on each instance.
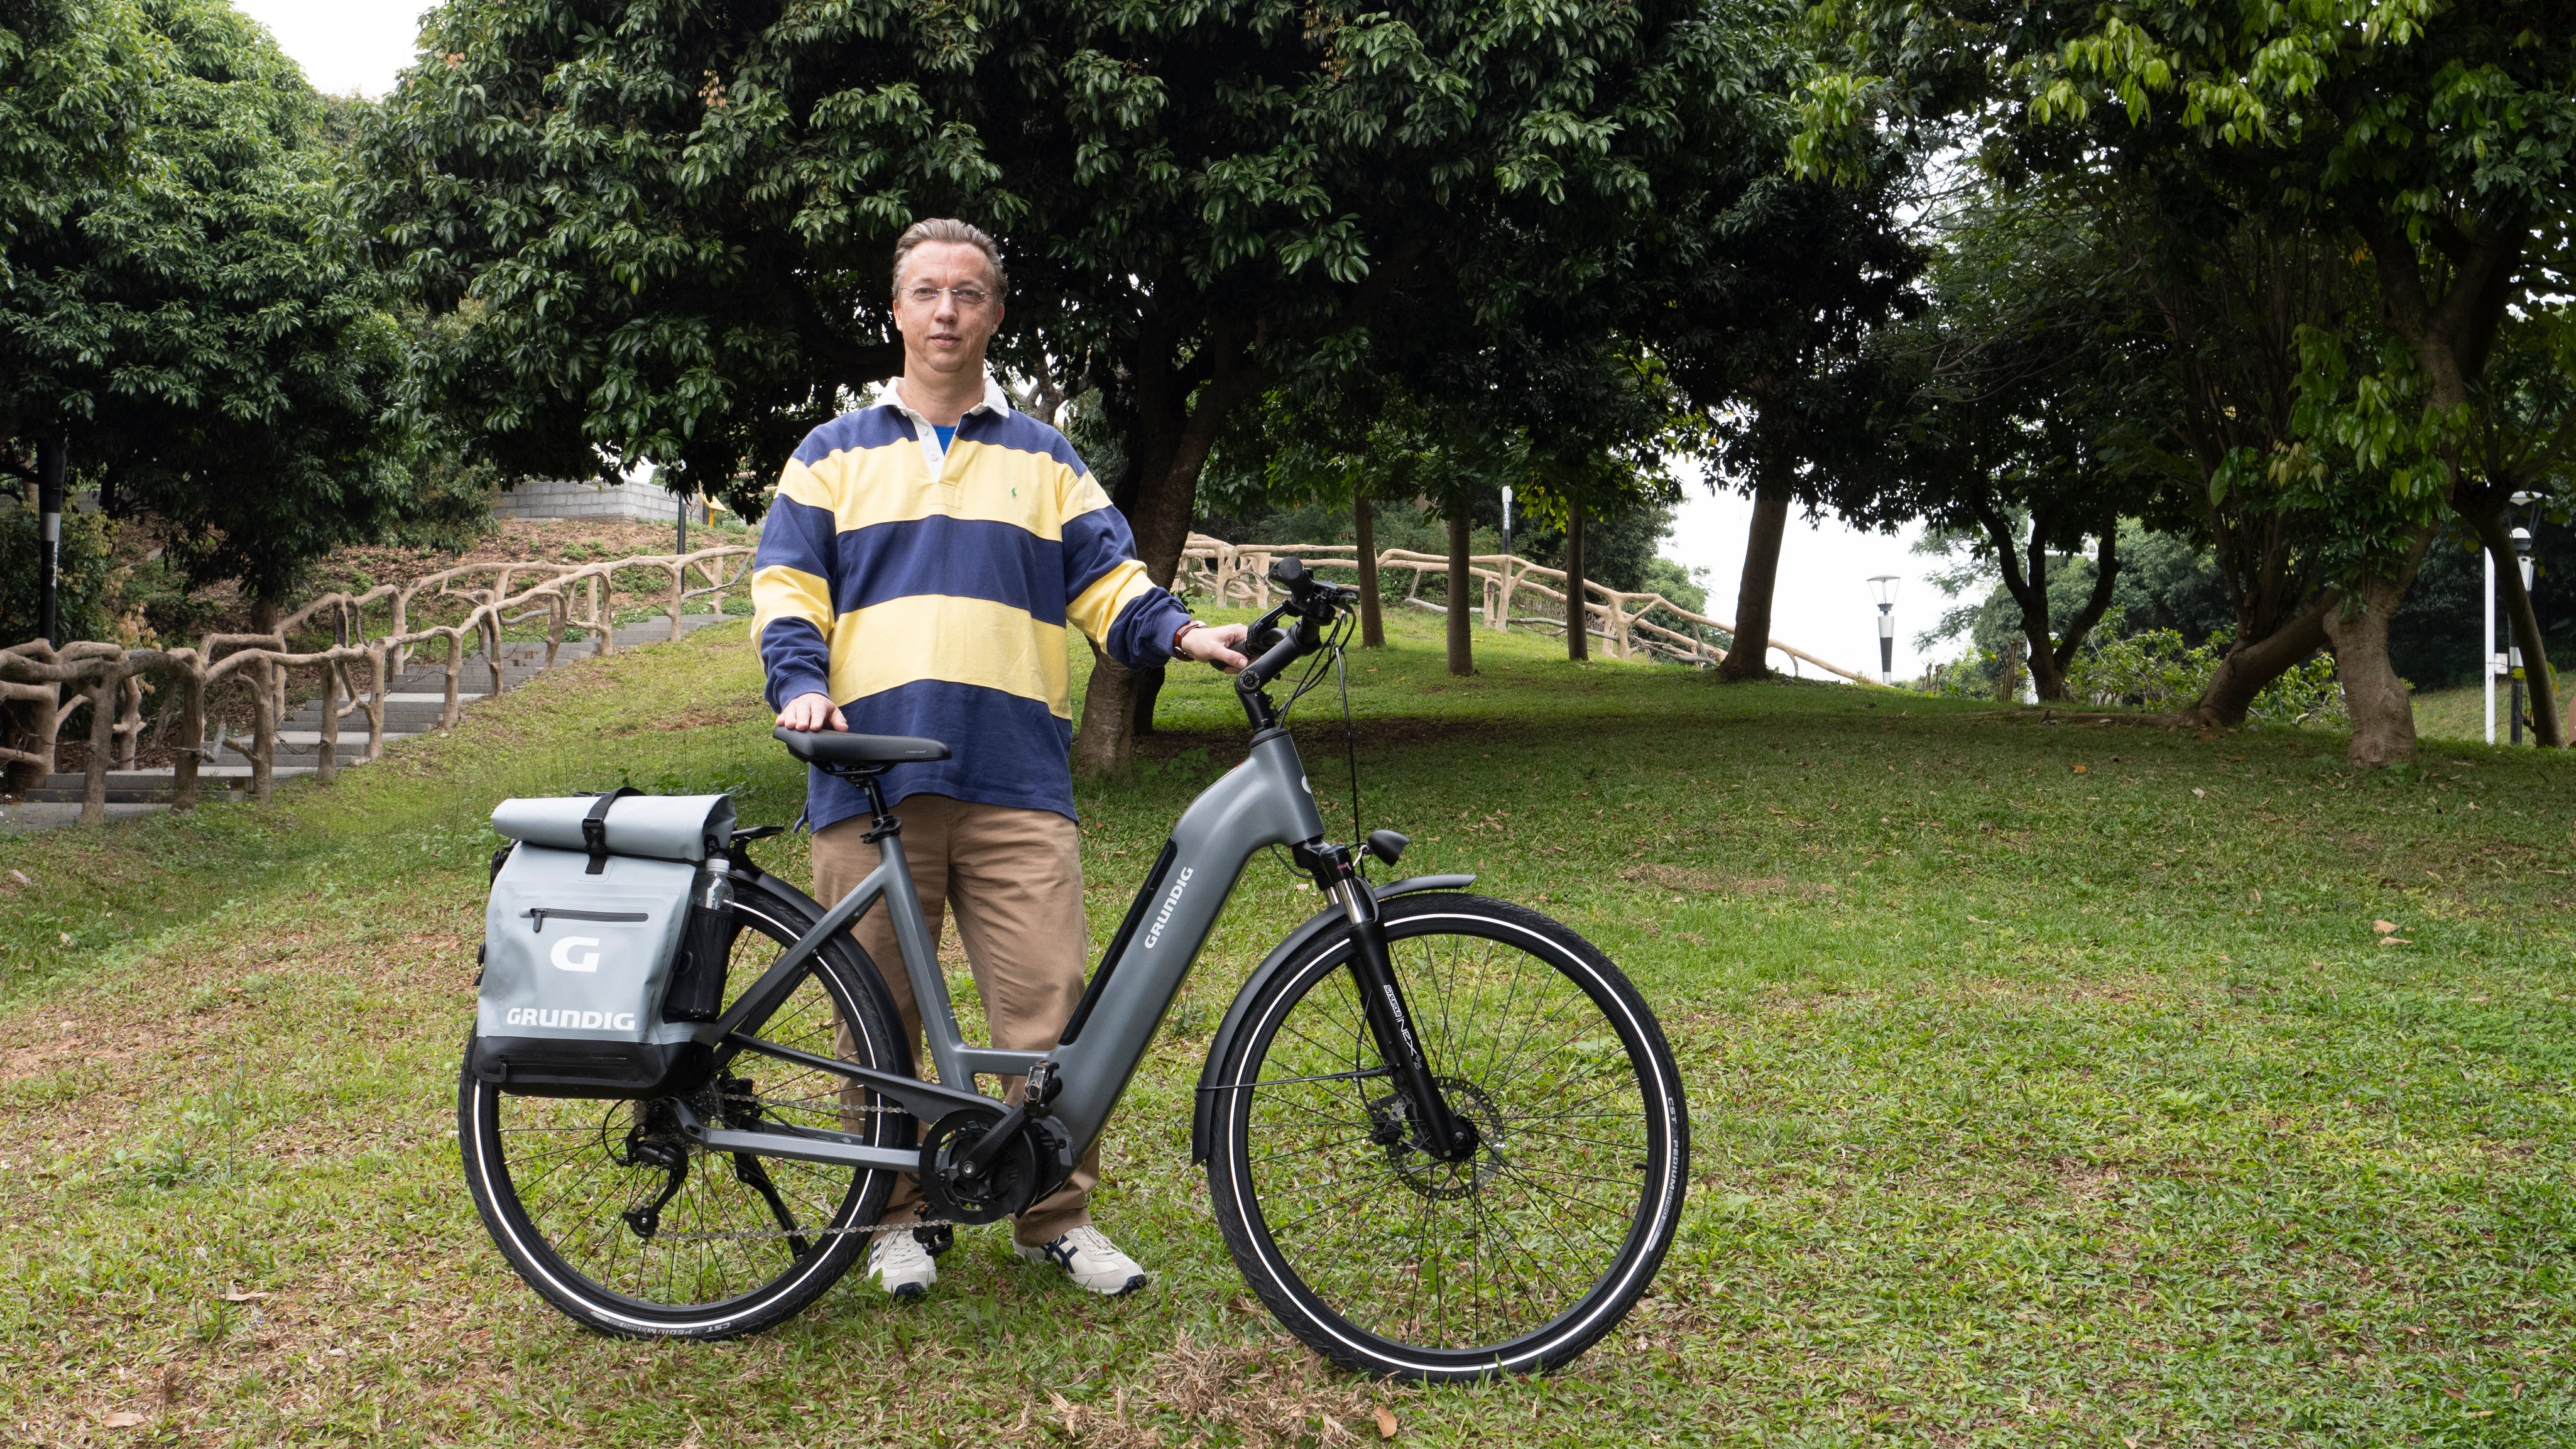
(890, 395)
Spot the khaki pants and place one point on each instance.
(1014, 878)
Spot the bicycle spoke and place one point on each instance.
(1478, 1252)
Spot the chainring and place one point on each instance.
(1007, 1184)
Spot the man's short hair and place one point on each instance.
(949, 229)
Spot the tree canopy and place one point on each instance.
(195, 326)
(2438, 142)
(668, 227)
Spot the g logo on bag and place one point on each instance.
(563, 958)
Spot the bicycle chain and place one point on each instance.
(748, 1235)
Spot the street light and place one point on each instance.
(2513, 655)
(2494, 664)
(1882, 590)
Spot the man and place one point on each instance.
(915, 577)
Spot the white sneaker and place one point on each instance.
(1090, 1259)
(901, 1265)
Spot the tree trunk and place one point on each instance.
(265, 678)
(2498, 539)
(1364, 533)
(1747, 657)
(183, 771)
(1177, 416)
(2008, 678)
(2106, 572)
(1462, 649)
(1578, 604)
(1148, 688)
(2248, 666)
(1111, 698)
(2383, 716)
(2029, 589)
(102, 745)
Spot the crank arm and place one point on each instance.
(1039, 1090)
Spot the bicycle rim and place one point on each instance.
(1516, 1258)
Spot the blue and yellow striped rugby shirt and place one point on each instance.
(927, 590)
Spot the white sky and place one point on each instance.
(343, 45)
(1822, 604)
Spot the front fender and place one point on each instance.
(1312, 929)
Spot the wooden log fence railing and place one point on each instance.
(1238, 575)
(41, 687)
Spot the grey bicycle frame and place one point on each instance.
(1262, 802)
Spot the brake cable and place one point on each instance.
(1334, 645)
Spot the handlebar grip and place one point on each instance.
(1266, 668)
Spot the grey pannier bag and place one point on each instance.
(604, 944)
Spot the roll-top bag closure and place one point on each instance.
(622, 822)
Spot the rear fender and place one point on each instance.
(1316, 928)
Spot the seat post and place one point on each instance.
(882, 821)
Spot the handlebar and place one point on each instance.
(1313, 603)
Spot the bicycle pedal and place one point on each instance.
(936, 1241)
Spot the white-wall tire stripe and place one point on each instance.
(1606, 1300)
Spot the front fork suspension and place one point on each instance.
(1438, 1131)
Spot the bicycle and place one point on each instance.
(1444, 1136)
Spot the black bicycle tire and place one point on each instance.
(1299, 1308)
(854, 984)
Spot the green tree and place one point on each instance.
(2029, 424)
(2439, 140)
(669, 223)
(1763, 294)
(199, 333)
(70, 72)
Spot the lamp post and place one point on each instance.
(2494, 664)
(2513, 652)
(1503, 595)
(1882, 591)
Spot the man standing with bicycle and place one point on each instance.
(916, 576)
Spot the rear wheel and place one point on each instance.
(605, 1209)
(1516, 1258)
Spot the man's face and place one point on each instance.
(940, 332)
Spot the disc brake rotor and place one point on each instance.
(1391, 1127)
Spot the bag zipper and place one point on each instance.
(539, 914)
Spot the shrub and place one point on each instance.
(86, 594)
(2155, 669)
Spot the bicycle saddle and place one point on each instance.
(832, 747)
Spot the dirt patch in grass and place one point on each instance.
(1254, 1393)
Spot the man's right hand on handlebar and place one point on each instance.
(810, 712)
(1216, 644)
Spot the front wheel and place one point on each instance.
(1516, 1258)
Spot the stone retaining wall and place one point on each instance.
(571, 499)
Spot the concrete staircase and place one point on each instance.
(413, 702)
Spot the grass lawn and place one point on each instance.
(2050, 1085)
(2461, 714)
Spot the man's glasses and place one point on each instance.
(968, 299)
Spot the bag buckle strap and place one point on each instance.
(594, 827)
